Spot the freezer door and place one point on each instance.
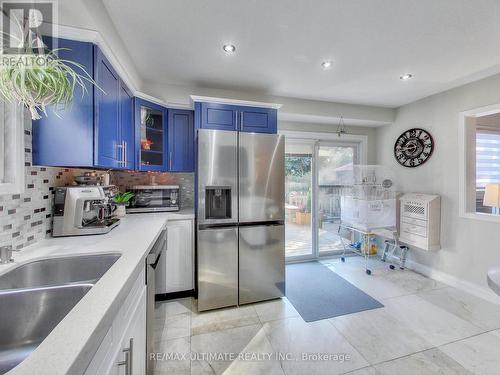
(261, 263)
(217, 176)
(217, 268)
(261, 177)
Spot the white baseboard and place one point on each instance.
(474, 289)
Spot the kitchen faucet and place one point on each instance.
(6, 254)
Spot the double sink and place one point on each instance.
(36, 296)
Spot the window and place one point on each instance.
(479, 161)
(487, 163)
(11, 148)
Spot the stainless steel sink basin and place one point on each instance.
(58, 271)
(36, 296)
(29, 315)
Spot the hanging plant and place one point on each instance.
(37, 80)
(37, 86)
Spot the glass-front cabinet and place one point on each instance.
(151, 136)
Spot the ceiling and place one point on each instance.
(281, 44)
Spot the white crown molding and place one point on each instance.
(196, 98)
(466, 286)
(150, 98)
(93, 36)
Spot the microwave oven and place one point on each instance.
(155, 198)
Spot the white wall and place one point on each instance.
(371, 152)
(313, 110)
(469, 247)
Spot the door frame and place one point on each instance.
(360, 142)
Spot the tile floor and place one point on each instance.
(425, 327)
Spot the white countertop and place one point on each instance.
(71, 345)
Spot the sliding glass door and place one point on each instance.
(315, 172)
(334, 167)
(298, 199)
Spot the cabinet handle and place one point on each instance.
(241, 120)
(124, 363)
(120, 146)
(170, 160)
(129, 354)
(124, 153)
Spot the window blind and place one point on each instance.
(487, 157)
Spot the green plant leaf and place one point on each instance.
(38, 87)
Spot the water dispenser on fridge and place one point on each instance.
(218, 202)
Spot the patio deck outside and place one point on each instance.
(299, 239)
(334, 164)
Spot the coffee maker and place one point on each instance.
(83, 210)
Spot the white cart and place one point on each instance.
(368, 209)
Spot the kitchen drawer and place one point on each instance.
(413, 240)
(413, 221)
(414, 229)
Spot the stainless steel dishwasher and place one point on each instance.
(151, 263)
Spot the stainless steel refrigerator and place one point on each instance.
(240, 213)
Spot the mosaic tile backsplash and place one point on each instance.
(27, 218)
(125, 180)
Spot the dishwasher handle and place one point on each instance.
(153, 260)
(154, 256)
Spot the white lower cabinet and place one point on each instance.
(131, 358)
(176, 269)
(123, 349)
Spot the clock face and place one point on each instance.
(413, 148)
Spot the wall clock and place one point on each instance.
(413, 148)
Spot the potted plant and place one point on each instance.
(121, 201)
(42, 79)
(304, 213)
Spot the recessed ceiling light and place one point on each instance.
(229, 48)
(326, 64)
(406, 77)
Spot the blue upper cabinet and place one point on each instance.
(68, 140)
(236, 117)
(218, 116)
(181, 140)
(109, 146)
(127, 126)
(151, 136)
(97, 129)
(258, 120)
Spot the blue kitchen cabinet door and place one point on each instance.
(127, 126)
(218, 116)
(258, 120)
(109, 152)
(151, 136)
(181, 140)
(67, 141)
